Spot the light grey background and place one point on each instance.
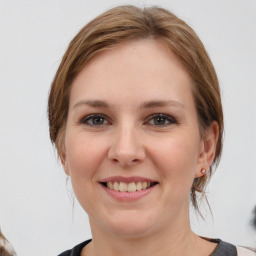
(35, 209)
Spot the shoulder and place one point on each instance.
(227, 249)
(66, 253)
(76, 251)
(6, 248)
(242, 251)
(223, 248)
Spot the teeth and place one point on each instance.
(110, 185)
(139, 186)
(144, 185)
(123, 187)
(132, 187)
(128, 187)
(116, 185)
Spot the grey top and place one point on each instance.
(222, 249)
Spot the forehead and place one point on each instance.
(141, 69)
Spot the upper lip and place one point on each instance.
(126, 179)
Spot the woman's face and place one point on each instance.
(132, 142)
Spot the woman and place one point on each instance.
(136, 116)
(6, 248)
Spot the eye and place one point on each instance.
(95, 120)
(161, 120)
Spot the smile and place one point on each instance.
(128, 187)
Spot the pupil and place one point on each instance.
(98, 120)
(160, 121)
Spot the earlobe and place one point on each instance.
(201, 172)
(64, 163)
(208, 149)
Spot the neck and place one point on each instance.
(172, 240)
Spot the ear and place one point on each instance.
(207, 149)
(61, 148)
(64, 162)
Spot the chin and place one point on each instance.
(130, 225)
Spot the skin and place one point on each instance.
(127, 85)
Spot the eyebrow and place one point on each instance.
(161, 103)
(147, 104)
(92, 103)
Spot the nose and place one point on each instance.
(126, 148)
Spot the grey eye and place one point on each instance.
(95, 120)
(161, 120)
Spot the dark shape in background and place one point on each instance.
(254, 218)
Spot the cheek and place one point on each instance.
(176, 162)
(176, 158)
(84, 155)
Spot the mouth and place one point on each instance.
(128, 187)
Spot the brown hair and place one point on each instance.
(6, 248)
(126, 23)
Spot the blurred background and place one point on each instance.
(36, 212)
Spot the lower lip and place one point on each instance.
(128, 196)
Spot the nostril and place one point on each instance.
(126, 151)
(125, 160)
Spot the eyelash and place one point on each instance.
(88, 120)
(165, 117)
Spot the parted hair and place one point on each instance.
(127, 23)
